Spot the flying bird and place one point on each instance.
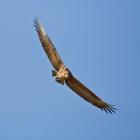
(64, 76)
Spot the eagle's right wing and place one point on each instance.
(48, 46)
(88, 95)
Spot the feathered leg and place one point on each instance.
(53, 73)
(59, 81)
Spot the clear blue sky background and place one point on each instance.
(100, 43)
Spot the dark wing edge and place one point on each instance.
(48, 46)
(88, 95)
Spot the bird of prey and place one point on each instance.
(64, 76)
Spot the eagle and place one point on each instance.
(63, 75)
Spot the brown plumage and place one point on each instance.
(48, 46)
(63, 74)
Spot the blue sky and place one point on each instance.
(99, 42)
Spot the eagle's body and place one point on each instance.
(64, 76)
(61, 75)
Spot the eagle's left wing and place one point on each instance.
(88, 95)
(48, 46)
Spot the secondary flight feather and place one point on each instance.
(64, 76)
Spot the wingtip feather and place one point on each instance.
(109, 109)
(39, 26)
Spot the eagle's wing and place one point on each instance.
(88, 95)
(48, 46)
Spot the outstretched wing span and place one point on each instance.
(88, 95)
(48, 46)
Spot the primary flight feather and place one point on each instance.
(63, 75)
